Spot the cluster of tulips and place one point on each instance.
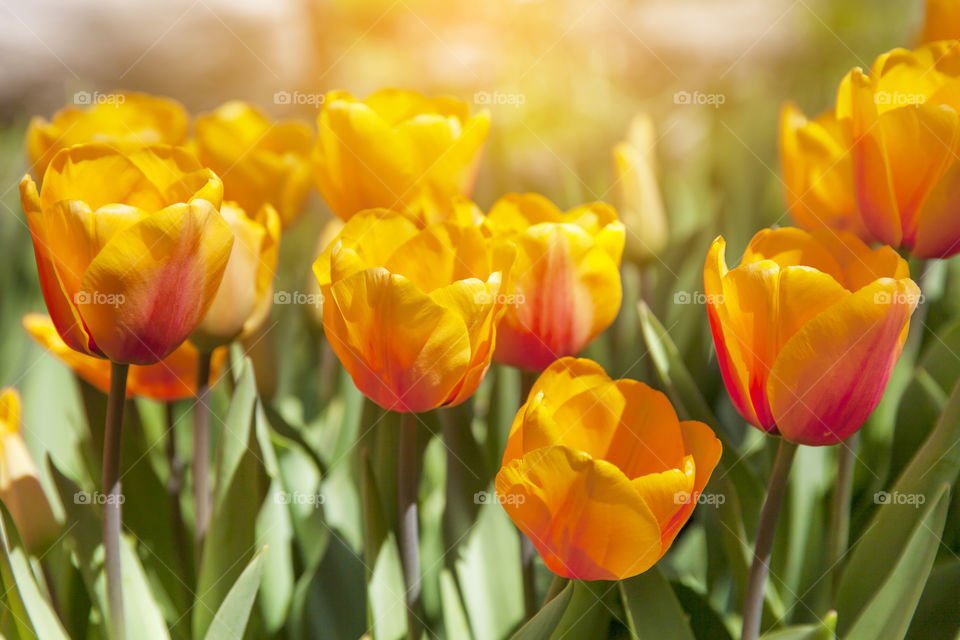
(156, 245)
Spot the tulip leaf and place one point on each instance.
(231, 619)
(653, 611)
(387, 593)
(889, 612)
(825, 630)
(455, 621)
(886, 536)
(704, 621)
(937, 616)
(237, 496)
(546, 620)
(588, 615)
(275, 531)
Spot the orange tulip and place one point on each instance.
(121, 118)
(397, 150)
(807, 329)
(599, 473)
(171, 379)
(565, 282)
(411, 311)
(941, 21)
(20, 488)
(817, 172)
(260, 162)
(130, 247)
(904, 123)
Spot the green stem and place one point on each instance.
(559, 582)
(174, 486)
(409, 525)
(112, 516)
(527, 551)
(753, 600)
(840, 509)
(201, 449)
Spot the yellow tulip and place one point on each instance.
(637, 193)
(599, 473)
(818, 173)
(396, 150)
(122, 119)
(807, 329)
(260, 162)
(565, 283)
(903, 119)
(941, 21)
(173, 378)
(411, 311)
(20, 488)
(245, 296)
(130, 247)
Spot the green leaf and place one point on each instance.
(885, 538)
(889, 612)
(546, 620)
(231, 619)
(587, 617)
(937, 616)
(826, 630)
(653, 611)
(704, 620)
(387, 593)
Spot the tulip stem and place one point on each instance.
(409, 525)
(840, 511)
(112, 517)
(559, 582)
(753, 599)
(174, 486)
(527, 551)
(201, 449)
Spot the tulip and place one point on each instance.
(637, 194)
(130, 247)
(122, 119)
(904, 123)
(397, 150)
(818, 173)
(171, 379)
(565, 281)
(807, 329)
(411, 311)
(245, 296)
(20, 488)
(259, 161)
(599, 473)
(941, 21)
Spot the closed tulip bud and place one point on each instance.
(245, 296)
(123, 119)
(599, 473)
(637, 193)
(396, 149)
(260, 162)
(941, 21)
(807, 329)
(20, 488)
(411, 311)
(130, 247)
(565, 283)
(171, 379)
(817, 172)
(904, 123)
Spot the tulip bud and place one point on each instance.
(20, 487)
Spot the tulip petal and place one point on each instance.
(701, 443)
(667, 492)
(381, 232)
(162, 272)
(790, 246)
(583, 515)
(938, 225)
(830, 375)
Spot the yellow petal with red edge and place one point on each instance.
(404, 351)
(59, 303)
(701, 443)
(830, 376)
(860, 264)
(583, 515)
(457, 252)
(938, 225)
(381, 232)
(790, 246)
(160, 276)
(666, 492)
